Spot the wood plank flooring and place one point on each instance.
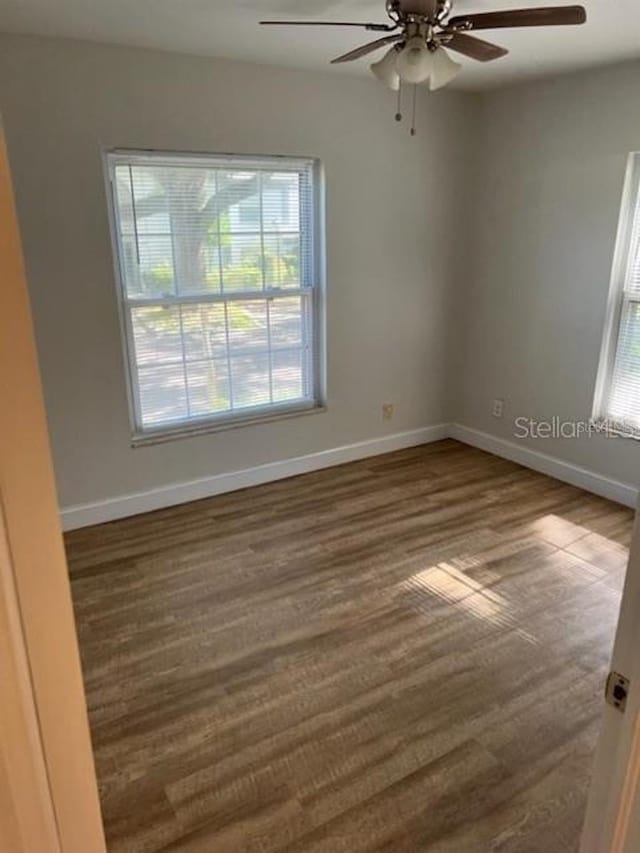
(401, 654)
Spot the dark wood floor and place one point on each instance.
(401, 654)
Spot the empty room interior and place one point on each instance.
(337, 316)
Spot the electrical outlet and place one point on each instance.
(498, 408)
(387, 411)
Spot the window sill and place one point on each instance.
(189, 430)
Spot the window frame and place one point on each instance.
(313, 293)
(617, 302)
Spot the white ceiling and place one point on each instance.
(230, 29)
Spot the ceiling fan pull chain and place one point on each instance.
(413, 110)
(399, 104)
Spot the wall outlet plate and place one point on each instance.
(387, 411)
(497, 410)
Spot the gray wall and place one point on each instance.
(392, 205)
(552, 161)
(468, 263)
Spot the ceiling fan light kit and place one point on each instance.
(414, 61)
(420, 30)
(385, 70)
(443, 69)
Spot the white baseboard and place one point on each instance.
(615, 490)
(83, 515)
(110, 509)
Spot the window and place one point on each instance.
(618, 390)
(218, 279)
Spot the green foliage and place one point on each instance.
(242, 277)
(240, 318)
(212, 279)
(219, 236)
(247, 274)
(158, 279)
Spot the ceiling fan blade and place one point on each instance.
(382, 28)
(428, 8)
(364, 49)
(475, 48)
(547, 16)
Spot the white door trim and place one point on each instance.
(613, 810)
(28, 819)
(49, 667)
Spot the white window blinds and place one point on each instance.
(618, 398)
(218, 286)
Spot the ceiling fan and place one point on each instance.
(419, 31)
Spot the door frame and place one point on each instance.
(612, 822)
(48, 782)
(28, 822)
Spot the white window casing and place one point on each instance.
(617, 397)
(219, 280)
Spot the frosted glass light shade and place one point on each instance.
(385, 70)
(443, 69)
(414, 61)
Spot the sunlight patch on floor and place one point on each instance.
(557, 530)
(448, 583)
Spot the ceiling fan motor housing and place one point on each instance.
(431, 11)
